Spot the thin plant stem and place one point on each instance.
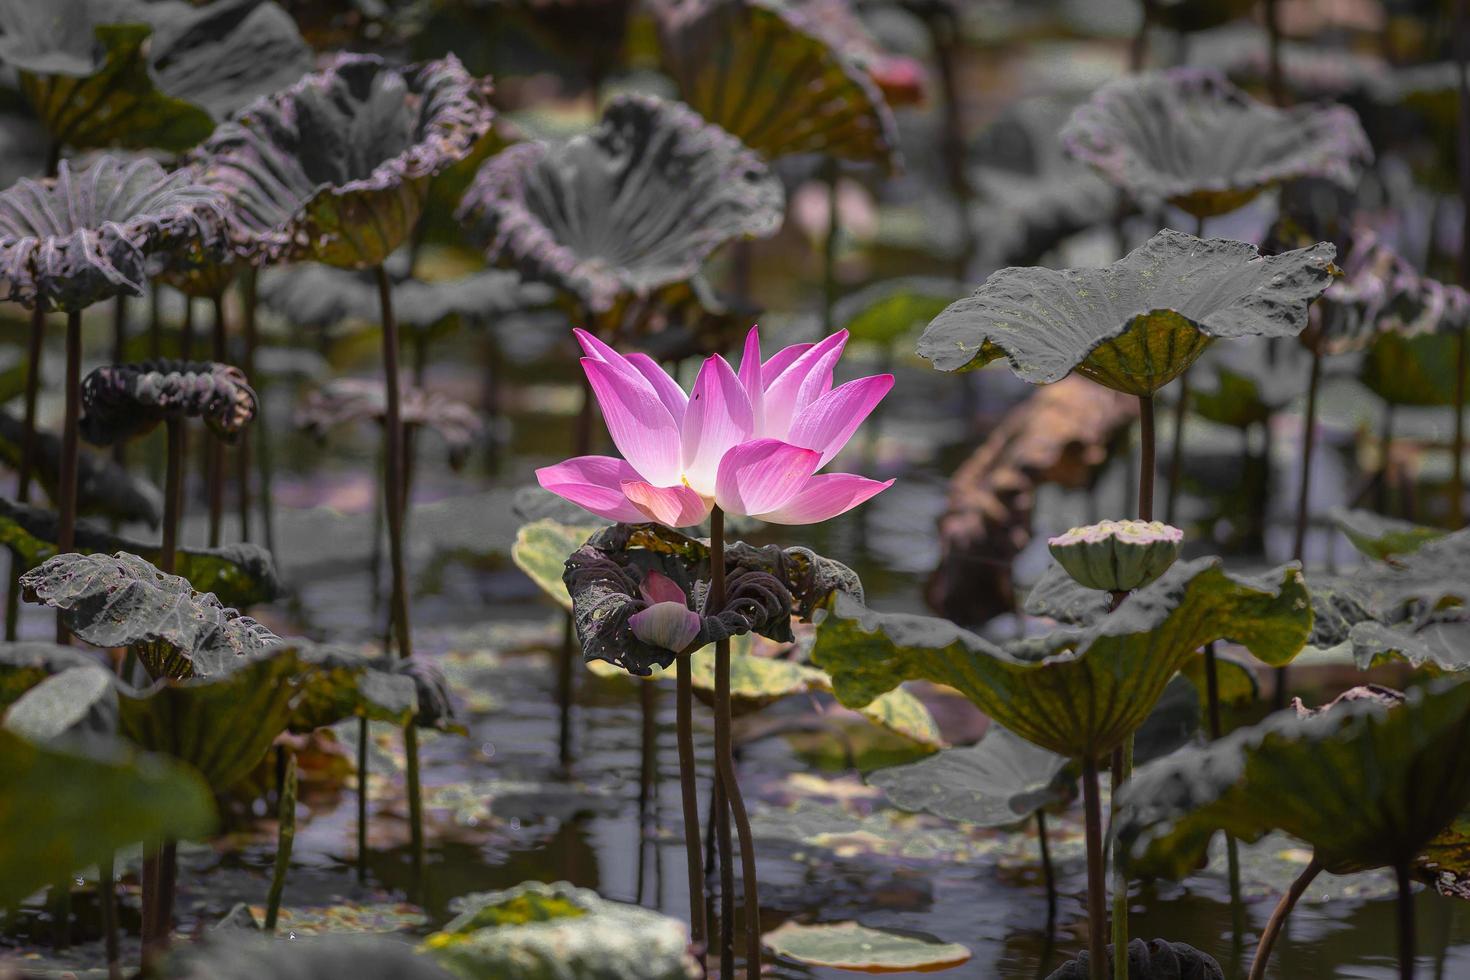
(362, 798)
(59, 900)
(285, 837)
(1275, 83)
(1146, 458)
(689, 798)
(1309, 447)
(107, 903)
(564, 684)
(119, 355)
(67, 484)
(725, 758)
(1097, 887)
(173, 494)
(216, 450)
(829, 249)
(1406, 921)
(1138, 47)
(1457, 446)
(1122, 767)
(393, 483)
(1048, 872)
(34, 350)
(1277, 921)
(1385, 449)
(944, 36)
(259, 447)
(1176, 453)
(647, 777)
(725, 848)
(1462, 62)
(1232, 851)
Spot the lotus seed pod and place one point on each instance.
(1117, 556)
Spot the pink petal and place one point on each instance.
(670, 625)
(718, 418)
(827, 424)
(762, 475)
(658, 587)
(781, 360)
(807, 378)
(593, 483)
(595, 348)
(641, 427)
(667, 388)
(675, 506)
(824, 497)
(751, 374)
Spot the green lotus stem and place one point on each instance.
(1274, 81)
(362, 797)
(1097, 888)
(943, 27)
(107, 904)
(829, 249)
(34, 349)
(1406, 921)
(1278, 918)
(1146, 458)
(689, 800)
(1176, 454)
(119, 356)
(721, 854)
(215, 461)
(1457, 461)
(262, 455)
(564, 682)
(1309, 446)
(1048, 872)
(1122, 767)
(647, 775)
(67, 505)
(285, 837)
(1462, 62)
(393, 483)
(725, 757)
(1232, 851)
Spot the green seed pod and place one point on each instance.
(1117, 556)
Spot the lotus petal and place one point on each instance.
(1192, 138)
(127, 400)
(1135, 325)
(633, 206)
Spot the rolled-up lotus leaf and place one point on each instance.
(146, 75)
(104, 488)
(123, 601)
(335, 168)
(765, 587)
(347, 400)
(1075, 691)
(241, 575)
(1192, 138)
(1135, 325)
(539, 931)
(635, 205)
(85, 235)
(1151, 959)
(122, 401)
(1117, 556)
(236, 954)
(1387, 774)
(776, 77)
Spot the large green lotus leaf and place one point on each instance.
(238, 955)
(25, 665)
(123, 401)
(336, 167)
(772, 74)
(1431, 575)
(66, 806)
(340, 682)
(539, 931)
(1367, 782)
(1245, 384)
(86, 235)
(541, 550)
(1190, 137)
(1413, 368)
(1380, 537)
(1076, 691)
(849, 946)
(1135, 325)
(241, 575)
(344, 401)
(1440, 641)
(998, 782)
(104, 488)
(887, 311)
(77, 701)
(146, 75)
(123, 601)
(1152, 959)
(631, 207)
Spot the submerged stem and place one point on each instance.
(1278, 918)
(1097, 887)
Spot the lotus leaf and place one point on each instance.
(103, 487)
(538, 931)
(85, 235)
(773, 75)
(51, 797)
(1245, 384)
(998, 782)
(887, 311)
(1135, 325)
(338, 682)
(1190, 137)
(633, 206)
(347, 400)
(122, 401)
(849, 946)
(24, 665)
(1384, 773)
(123, 601)
(242, 575)
(1381, 537)
(335, 168)
(765, 588)
(76, 701)
(1076, 691)
(1152, 959)
(541, 550)
(1412, 360)
(238, 955)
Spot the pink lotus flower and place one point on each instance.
(750, 442)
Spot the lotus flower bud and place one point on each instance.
(668, 622)
(1117, 556)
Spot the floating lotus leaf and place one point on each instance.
(242, 575)
(123, 601)
(1152, 959)
(1387, 775)
(1135, 325)
(347, 400)
(633, 206)
(146, 75)
(77, 701)
(998, 782)
(85, 235)
(1381, 537)
(104, 488)
(1192, 138)
(849, 946)
(538, 931)
(55, 796)
(887, 311)
(765, 587)
(774, 75)
(541, 550)
(1117, 556)
(1076, 691)
(238, 955)
(335, 168)
(122, 401)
